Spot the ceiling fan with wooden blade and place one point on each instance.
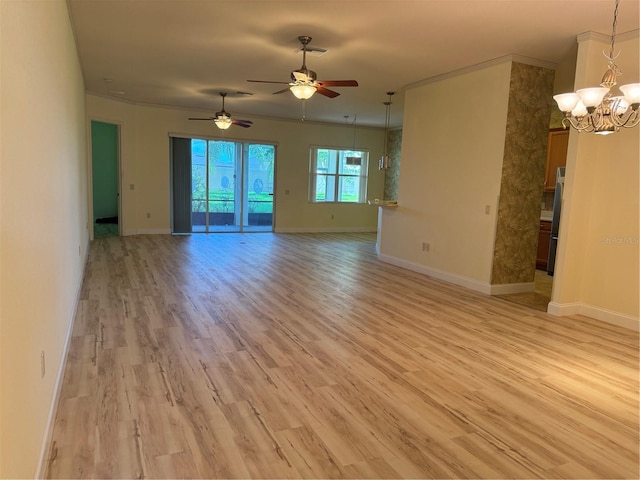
(223, 119)
(303, 82)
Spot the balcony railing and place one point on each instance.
(222, 212)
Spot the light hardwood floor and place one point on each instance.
(303, 356)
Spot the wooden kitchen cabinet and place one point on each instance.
(544, 237)
(556, 156)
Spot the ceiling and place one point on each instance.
(182, 53)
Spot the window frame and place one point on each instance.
(338, 176)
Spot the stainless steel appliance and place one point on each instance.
(555, 221)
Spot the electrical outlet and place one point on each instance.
(487, 209)
(332, 216)
(42, 364)
(148, 215)
(426, 246)
(132, 186)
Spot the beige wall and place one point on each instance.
(452, 151)
(597, 265)
(145, 164)
(43, 229)
(563, 83)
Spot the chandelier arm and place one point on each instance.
(628, 119)
(580, 124)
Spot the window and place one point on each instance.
(338, 175)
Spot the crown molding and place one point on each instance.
(600, 37)
(513, 58)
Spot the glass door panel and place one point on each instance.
(223, 158)
(198, 186)
(258, 198)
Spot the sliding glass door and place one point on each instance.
(231, 186)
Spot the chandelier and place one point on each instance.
(595, 109)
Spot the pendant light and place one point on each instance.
(385, 162)
(352, 159)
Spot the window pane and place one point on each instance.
(349, 189)
(321, 189)
(350, 162)
(326, 161)
(325, 188)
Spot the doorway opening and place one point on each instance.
(105, 179)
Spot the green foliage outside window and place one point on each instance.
(222, 155)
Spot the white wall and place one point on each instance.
(452, 152)
(596, 270)
(145, 164)
(43, 218)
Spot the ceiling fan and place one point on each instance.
(303, 81)
(223, 119)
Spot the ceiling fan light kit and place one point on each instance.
(222, 122)
(595, 109)
(302, 91)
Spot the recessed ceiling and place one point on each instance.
(183, 52)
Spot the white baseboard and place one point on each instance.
(45, 447)
(151, 231)
(507, 288)
(167, 231)
(554, 308)
(460, 280)
(563, 309)
(325, 230)
(597, 313)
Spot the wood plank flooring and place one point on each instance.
(303, 356)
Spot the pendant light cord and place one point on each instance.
(611, 57)
(613, 30)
